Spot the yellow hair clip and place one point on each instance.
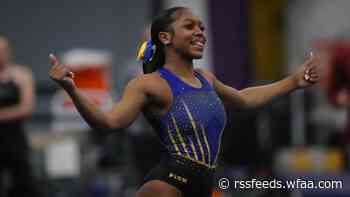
(141, 52)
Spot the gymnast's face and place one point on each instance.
(188, 37)
(4, 52)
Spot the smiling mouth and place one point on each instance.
(198, 44)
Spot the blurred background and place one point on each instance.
(251, 42)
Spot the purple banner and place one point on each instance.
(229, 26)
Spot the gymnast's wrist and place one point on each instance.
(293, 82)
(70, 89)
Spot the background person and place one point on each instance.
(17, 98)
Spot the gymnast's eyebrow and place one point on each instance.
(196, 21)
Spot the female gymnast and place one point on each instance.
(184, 105)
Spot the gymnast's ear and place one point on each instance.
(165, 37)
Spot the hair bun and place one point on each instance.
(141, 51)
(146, 52)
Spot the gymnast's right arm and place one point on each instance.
(122, 113)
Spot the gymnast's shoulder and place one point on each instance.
(149, 82)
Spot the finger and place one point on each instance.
(314, 80)
(54, 60)
(310, 70)
(54, 66)
(312, 61)
(314, 75)
(310, 78)
(317, 72)
(313, 64)
(60, 66)
(68, 73)
(313, 71)
(60, 71)
(311, 55)
(71, 74)
(56, 70)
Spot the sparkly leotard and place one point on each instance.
(193, 126)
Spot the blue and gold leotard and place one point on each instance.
(193, 126)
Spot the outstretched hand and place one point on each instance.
(60, 73)
(308, 73)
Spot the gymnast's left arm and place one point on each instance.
(306, 75)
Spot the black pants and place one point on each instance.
(187, 176)
(14, 159)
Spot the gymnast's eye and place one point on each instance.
(189, 26)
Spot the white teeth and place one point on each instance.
(199, 44)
